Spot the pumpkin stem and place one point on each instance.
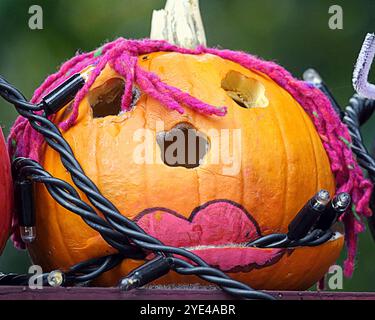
(179, 23)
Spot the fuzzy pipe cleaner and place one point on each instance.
(122, 54)
(363, 66)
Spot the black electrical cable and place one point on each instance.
(312, 236)
(31, 174)
(79, 273)
(321, 239)
(266, 240)
(357, 113)
(93, 268)
(69, 198)
(62, 193)
(121, 233)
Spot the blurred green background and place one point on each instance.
(292, 32)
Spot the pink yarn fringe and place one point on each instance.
(122, 54)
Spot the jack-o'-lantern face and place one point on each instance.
(210, 184)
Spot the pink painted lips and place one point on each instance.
(216, 231)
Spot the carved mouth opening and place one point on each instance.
(183, 146)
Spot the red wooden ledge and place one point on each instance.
(25, 293)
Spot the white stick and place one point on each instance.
(180, 23)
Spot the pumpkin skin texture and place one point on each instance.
(6, 194)
(283, 163)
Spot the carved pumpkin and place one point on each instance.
(5, 193)
(204, 207)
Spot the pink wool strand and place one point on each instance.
(122, 56)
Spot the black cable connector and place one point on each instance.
(146, 273)
(24, 201)
(336, 208)
(308, 216)
(301, 231)
(65, 93)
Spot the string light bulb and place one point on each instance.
(55, 278)
(307, 217)
(24, 194)
(337, 207)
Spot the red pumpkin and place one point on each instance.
(5, 193)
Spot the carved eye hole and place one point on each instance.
(106, 99)
(246, 92)
(182, 146)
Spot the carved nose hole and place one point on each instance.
(246, 92)
(182, 146)
(106, 99)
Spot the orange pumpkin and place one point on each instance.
(282, 164)
(5, 193)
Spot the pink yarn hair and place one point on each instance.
(122, 55)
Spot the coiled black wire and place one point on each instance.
(80, 273)
(124, 234)
(357, 113)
